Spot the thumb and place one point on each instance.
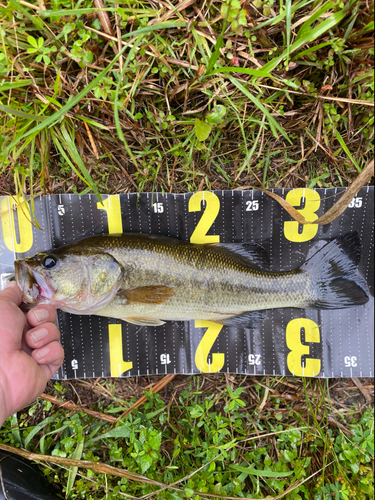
(12, 319)
(11, 293)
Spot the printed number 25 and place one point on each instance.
(311, 201)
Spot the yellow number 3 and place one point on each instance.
(312, 204)
(293, 341)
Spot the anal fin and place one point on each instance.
(250, 319)
(144, 321)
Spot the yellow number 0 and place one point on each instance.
(24, 225)
(208, 218)
(312, 204)
(113, 208)
(293, 341)
(205, 346)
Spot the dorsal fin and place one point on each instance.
(251, 254)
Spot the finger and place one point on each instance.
(11, 293)
(42, 335)
(12, 322)
(41, 314)
(49, 357)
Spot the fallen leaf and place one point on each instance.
(326, 87)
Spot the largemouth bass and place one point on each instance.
(147, 280)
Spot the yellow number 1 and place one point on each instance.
(293, 341)
(118, 365)
(113, 208)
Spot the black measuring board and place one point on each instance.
(319, 343)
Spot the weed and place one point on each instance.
(219, 443)
(168, 84)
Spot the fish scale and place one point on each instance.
(207, 281)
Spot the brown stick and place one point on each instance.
(362, 388)
(156, 388)
(103, 17)
(338, 208)
(83, 464)
(72, 406)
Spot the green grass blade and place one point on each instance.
(266, 163)
(306, 26)
(76, 99)
(155, 27)
(76, 455)
(15, 85)
(22, 114)
(77, 158)
(34, 19)
(73, 12)
(310, 36)
(66, 157)
(275, 126)
(275, 20)
(313, 49)
(254, 72)
(260, 473)
(215, 54)
(345, 148)
(249, 155)
(288, 19)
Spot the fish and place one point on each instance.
(148, 279)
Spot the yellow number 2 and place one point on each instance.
(113, 208)
(24, 225)
(312, 204)
(205, 346)
(293, 341)
(200, 235)
(118, 365)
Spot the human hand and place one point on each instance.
(30, 353)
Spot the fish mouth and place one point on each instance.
(33, 286)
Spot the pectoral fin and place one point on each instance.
(144, 321)
(146, 294)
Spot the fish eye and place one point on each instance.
(50, 261)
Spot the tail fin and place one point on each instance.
(334, 270)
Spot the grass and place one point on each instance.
(78, 83)
(204, 437)
(175, 96)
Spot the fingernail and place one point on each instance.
(41, 315)
(38, 335)
(42, 352)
